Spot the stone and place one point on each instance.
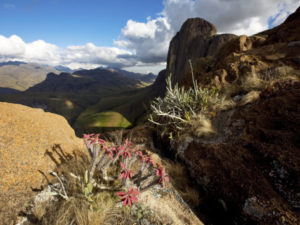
(197, 38)
(27, 138)
(252, 161)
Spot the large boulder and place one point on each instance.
(28, 141)
(197, 38)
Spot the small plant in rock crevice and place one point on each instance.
(174, 112)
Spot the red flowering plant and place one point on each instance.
(129, 197)
(126, 173)
(163, 176)
(137, 171)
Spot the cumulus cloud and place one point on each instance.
(91, 54)
(229, 16)
(14, 48)
(85, 56)
(149, 41)
(144, 45)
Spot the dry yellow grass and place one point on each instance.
(179, 179)
(201, 126)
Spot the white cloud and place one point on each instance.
(146, 67)
(42, 52)
(229, 16)
(150, 40)
(85, 56)
(11, 47)
(150, 43)
(91, 54)
(141, 30)
(144, 45)
(14, 48)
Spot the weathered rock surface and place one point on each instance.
(251, 166)
(159, 86)
(197, 38)
(169, 206)
(253, 163)
(268, 55)
(26, 135)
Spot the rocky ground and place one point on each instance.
(245, 172)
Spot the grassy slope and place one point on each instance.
(69, 105)
(23, 76)
(119, 111)
(117, 104)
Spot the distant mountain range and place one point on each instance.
(63, 69)
(106, 97)
(81, 81)
(148, 78)
(21, 75)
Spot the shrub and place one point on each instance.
(175, 111)
(121, 169)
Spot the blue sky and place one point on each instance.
(128, 34)
(72, 22)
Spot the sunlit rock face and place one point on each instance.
(27, 138)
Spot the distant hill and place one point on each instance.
(63, 69)
(118, 95)
(20, 76)
(147, 78)
(12, 63)
(84, 80)
(8, 91)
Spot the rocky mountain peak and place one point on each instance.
(293, 17)
(195, 27)
(196, 38)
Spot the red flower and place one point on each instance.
(126, 152)
(90, 139)
(140, 154)
(162, 174)
(109, 151)
(149, 160)
(126, 173)
(129, 197)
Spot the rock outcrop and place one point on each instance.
(28, 141)
(268, 55)
(197, 38)
(251, 166)
(253, 162)
(159, 86)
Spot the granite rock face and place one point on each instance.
(31, 143)
(197, 38)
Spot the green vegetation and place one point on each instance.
(180, 106)
(118, 111)
(93, 190)
(91, 101)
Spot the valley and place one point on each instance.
(88, 99)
